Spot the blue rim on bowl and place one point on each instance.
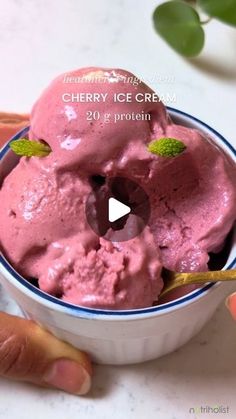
(91, 312)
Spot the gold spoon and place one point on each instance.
(174, 280)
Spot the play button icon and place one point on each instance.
(117, 209)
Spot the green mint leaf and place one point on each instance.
(28, 148)
(224, 10)
(179, 25)
(166, 147)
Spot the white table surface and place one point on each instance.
(38, 40)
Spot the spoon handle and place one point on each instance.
(182, 278)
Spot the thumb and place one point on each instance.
(231, 304)
(30, 353)
(10, 124)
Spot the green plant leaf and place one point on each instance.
(179, 24)
(166, 147)
(24, 147)
(224, 10)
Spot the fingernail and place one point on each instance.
(69, 376)
(230, 303)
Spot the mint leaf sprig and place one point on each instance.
(166, 147)
(28, 148)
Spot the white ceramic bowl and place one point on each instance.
(124, 336)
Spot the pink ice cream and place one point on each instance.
(44, 231)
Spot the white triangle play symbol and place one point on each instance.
(116, 209)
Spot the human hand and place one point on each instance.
(30, 353)
(231, 304)
(10, 124)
